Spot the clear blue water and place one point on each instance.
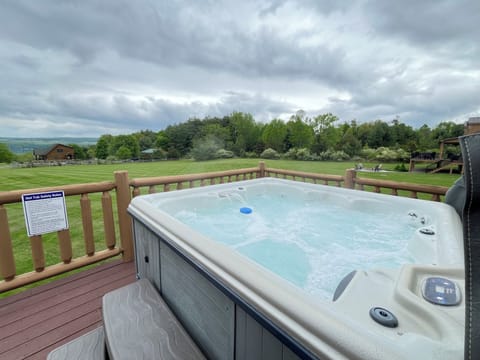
(313, 243)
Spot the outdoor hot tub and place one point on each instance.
(278, 269)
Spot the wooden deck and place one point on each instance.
(38, 320)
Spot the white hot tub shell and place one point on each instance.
(235, 309)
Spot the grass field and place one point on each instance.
(24, 178)
(28, 178)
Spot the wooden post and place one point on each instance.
(65, 245)
(350, 175)
(7, 261)
(442, 146)
(87, 224)
(412, 165)
(38, 254)
(124, 221)
(261, 168)
(108, 222)
(136, 191)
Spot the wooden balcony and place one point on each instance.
(38, 320)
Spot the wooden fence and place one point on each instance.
(124, 188)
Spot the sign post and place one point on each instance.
(45, 212)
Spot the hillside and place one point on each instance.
(24, 145)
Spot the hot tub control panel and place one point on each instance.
(441, 291)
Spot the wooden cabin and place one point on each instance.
(55, 152)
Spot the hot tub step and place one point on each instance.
(140, 325)
(88, 346)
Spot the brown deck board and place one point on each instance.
(59, 295)
(40, 319)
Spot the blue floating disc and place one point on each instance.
(245, 210)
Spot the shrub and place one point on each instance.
(173, 153)
(159, 154)
(269, 154)
(251, 155)
(205, 148)
(25, 157)
(304, 154)
(368, 153)
(401, 167)
(334, 155)
(291, 154)
(224, 154)
(300, 154)
(385, 154)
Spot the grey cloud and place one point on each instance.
(262, 107)
(148, 64)
(169, 35)
(451, 98)
(429, 23)
(122, 112)
(324, 6)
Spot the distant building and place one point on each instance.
(55, 152)
(472, 126)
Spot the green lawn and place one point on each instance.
(28, 178)
(25, 178)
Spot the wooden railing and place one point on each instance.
(8, 272)
(192, 180)
(324, 179)
(124, 188)
(394, 187)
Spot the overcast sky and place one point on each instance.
(93, 67)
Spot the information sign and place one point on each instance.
(45, 212)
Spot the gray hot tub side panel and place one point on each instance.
(219, 326)
(147, 254)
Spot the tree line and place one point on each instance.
(301, 137)
(323, 137)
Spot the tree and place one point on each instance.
(180, 137)
(322, 122)
(300, 134)
(128, 141)
(245, 132)
(91, 152)
(424, 138)
(350, 144)
(162, 141)
(6, 156)
(379, 135)
(274, 135)
(103, 146)
(80, 153)
(447, 129)
(401, 134)
(327, 136)
(216, 130)
(123, 153)
(146, 139)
